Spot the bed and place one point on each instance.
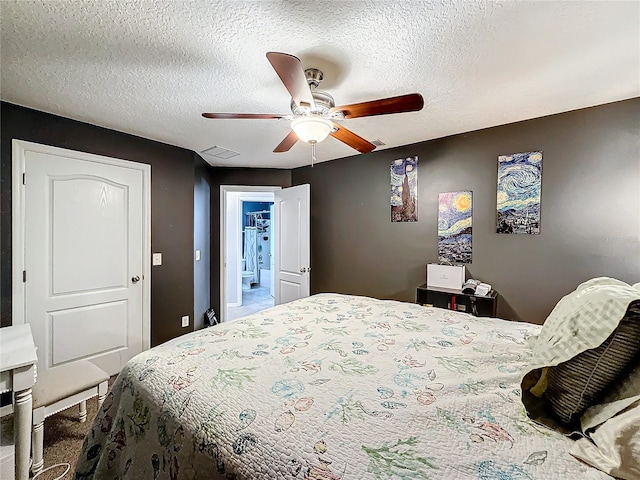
(330, 387)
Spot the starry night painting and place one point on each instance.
(519, 184)
(404, 190)
(455, 217)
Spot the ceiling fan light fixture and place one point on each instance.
(311, 129)
(314, 111)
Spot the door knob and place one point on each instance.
(303, 270)
(135, 279)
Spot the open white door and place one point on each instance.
(292, 237)
(83, 243)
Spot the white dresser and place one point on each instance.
(17, 366)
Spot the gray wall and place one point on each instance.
(202, 242)
(590, 220)
(590, 211)
(172, 180)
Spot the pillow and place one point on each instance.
(622, 394)
(580, 382)
(614, 445)
(581, 351)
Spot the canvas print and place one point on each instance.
(455, 218)
(404, 190)
(519, 184)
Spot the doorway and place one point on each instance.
(247, 276)
(256, 251)
(290, 247)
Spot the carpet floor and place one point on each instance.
(63, 438)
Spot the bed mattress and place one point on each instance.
(330, 387)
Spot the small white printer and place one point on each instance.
(445, 276)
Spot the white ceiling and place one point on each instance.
(150, 68)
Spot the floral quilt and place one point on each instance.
(330, 387)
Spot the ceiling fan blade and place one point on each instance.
(261, 116)
(290, 71)
(288, 142)
(354, 141)
(404, 103)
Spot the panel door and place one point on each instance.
(83, 253)
(292, 252)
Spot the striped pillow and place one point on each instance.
(580, 382)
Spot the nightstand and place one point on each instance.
(478, 305)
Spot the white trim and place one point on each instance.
(225, 190)
(18, 290)
(146, 254)
(19, 148)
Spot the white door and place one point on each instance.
(292, 252)
(84, 230)
(272, 249)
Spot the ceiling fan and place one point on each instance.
(314, 113)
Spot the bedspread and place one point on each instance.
(331, 387)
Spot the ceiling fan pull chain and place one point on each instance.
(313, 152)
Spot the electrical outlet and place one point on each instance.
(156, 259)
(185, 321)
(197, 255)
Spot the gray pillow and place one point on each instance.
(577, 384)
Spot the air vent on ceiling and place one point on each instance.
(378, 143)
(219, 152)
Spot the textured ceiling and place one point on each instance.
(150, 68)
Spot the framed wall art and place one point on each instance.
(404, 190)
(455, 218)
(518, 198)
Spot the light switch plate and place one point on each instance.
(197, 255)
(185, 321)
(157, 259)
